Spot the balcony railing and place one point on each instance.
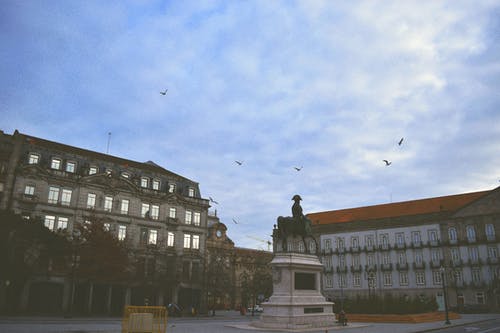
(386, 267)
(356, 268)
(402, 267)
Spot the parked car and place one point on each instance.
(256, 308)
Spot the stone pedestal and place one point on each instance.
(297, 302)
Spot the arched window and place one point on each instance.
(452, 234)
(490, 231)
(471, 233)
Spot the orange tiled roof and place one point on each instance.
(405, 208)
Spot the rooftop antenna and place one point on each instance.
(109, 139)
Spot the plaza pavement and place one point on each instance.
(223, 321)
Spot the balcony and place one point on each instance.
(402, 267)
(370, 267)
(456, 263)
(400, 246)
(328, 269)
(384, 247)
(434, 243)
(354, 249)
(474, 262)
(341, 269)
(416, 245)
(420, 265)
(369, 248)
(437, 264)
(356, 268)
(492, 261)
(386, 267)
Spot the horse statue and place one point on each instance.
(296, 225)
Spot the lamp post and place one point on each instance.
(445, 295)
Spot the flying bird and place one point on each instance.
(235, 222)
(238, 162)
(164, 92)
(400, 142)
(298, 169)
(387, 163)
(212, 200)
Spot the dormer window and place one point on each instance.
(144, 182)
(70, 167)
(171, 188)
(156, 184)
(55, 163)
(93, 170)
(125, 175)
(33, 159)
(191, 192)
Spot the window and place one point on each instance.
(33, 159)
(125, 175)
(420, 278)
(170, 239)
(124, 206)
(106, 226)
(108, 203)
(418, 257)
(492, 252)
(356, 280)
(191, 192)
(435, 256)
(144, 182)
(196, 218)
(122, 232)
(340, 243)
(452, 234)
(455, 255)
(50, 222)
(476, 276)
(384, 240)
(91, 200)
(473, 254)
(328, 244)
(93, 170)
(457, 275)
(400, 239)
(66, 197)
(432, 236)
(355, 260)
(171, 188)
(328, 262)
(145, 210)
(355, 242)
(415, 236)
(196, 242)
(187, 241)
(369, 241)
(55, 164)
(328, 281)
(436, 277)
(189, 217)
(342, 280)
(490, 232)
(172, 212)
(62, 223)
(29, 190)
(153, 237)
(403, 278)
(156, 184)
(471, 233)
(387, 279)
(370, 260)
(155, 212)
(386, 259)
(402, 258)
(480, 298)
(53, 194)
(342, 260)
(70, 167)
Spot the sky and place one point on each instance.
(326, 86)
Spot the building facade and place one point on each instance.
(159, 215)
(411, 248)
(237, 277)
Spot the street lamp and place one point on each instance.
(445, 295)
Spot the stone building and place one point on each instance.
(158, 214)
(406, 248)
(239, 276)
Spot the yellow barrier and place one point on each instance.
(144, 319)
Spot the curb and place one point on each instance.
(456, 325)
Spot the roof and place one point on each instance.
(448, 203)
(149, 165)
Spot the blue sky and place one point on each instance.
(327, 86)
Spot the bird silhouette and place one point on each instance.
(238, 162)
(298, 169)
(400, 142)
(387, 163)
(212, 200)
(164, 92)
(235, 222)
